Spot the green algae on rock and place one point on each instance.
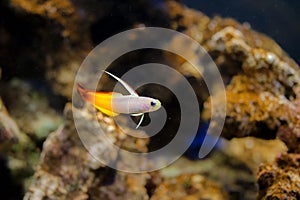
(32, 110)
(16, 149)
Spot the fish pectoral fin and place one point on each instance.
(137, 114)
(107, 112)
(140, 122)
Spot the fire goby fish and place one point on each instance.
(114, 103)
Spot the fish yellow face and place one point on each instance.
(154, 105)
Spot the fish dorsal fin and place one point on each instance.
(125, 85)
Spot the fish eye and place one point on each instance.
(153, 103)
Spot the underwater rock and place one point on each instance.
(280, 180)
(68, 171)
(9, 130)
(123, 186)
(262, 81)
(30, 121)
(262, 89)
(32, 111)
(62, 12)
(56, 32)
(188, 186)
(262, 98)
(61, 33)
(254, 151)
(254, 66)
(229, 173)
(18, 153)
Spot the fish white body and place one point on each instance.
(129, 104)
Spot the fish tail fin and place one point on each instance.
(80, 89)
(101, 101)
(85, 94)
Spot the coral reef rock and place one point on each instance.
(262, 81)
(47, 40)
(280, 180)
(188, 186)
(68, 171)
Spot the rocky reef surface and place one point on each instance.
(42, 45)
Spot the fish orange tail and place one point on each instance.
(101, 100)
(85, 95)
